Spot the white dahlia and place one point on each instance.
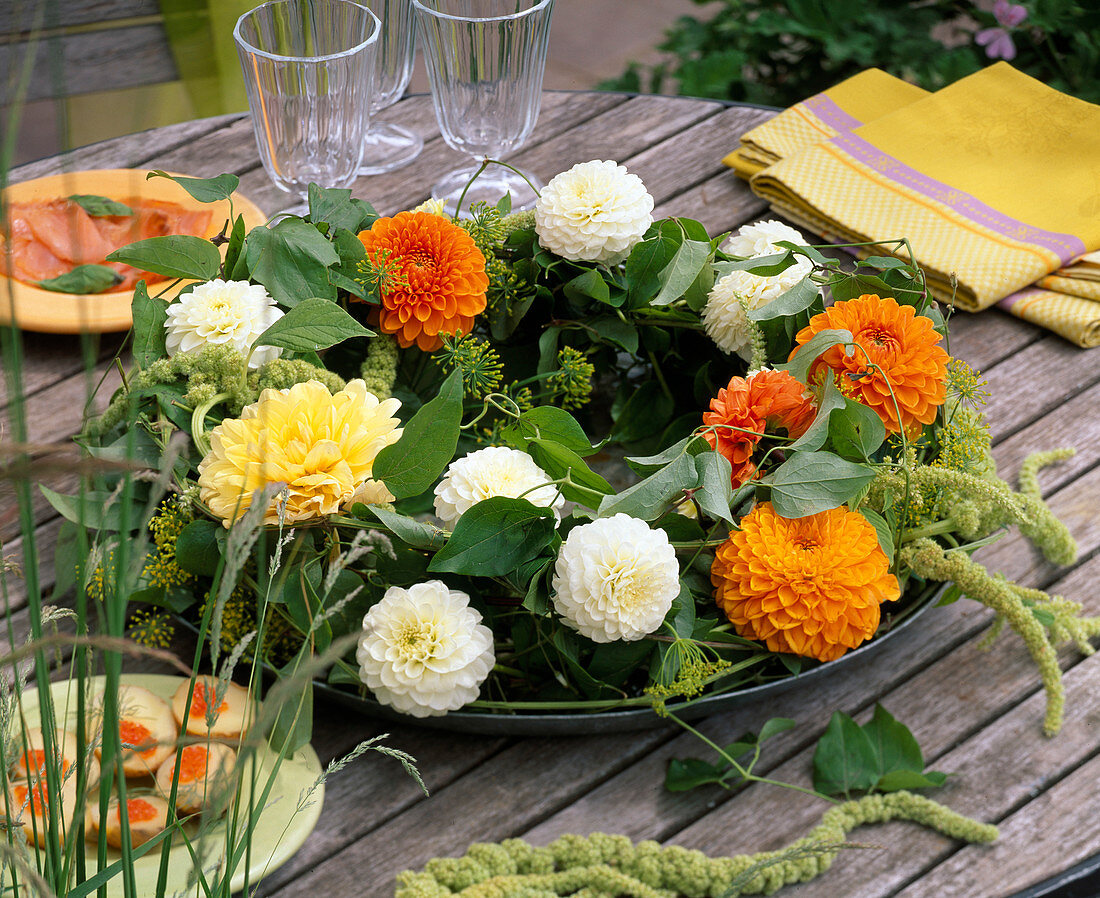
(222, 312)
(424, 650)
(761, 237)
(595, 212)
(495, 471)
(615, 579)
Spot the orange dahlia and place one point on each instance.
(903, 346)
(809, 586)
(439, 280)
(748, 409)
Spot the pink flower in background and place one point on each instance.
(997, 41)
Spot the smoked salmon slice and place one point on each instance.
(51, 237)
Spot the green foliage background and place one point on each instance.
(778, 52)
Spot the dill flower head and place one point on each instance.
(808, 586)
(424, 650)
(493, 471)
(477, 360)
(615, 579)
(440, 283)
(321, 445)
(222, 312)
(749, 408)
(573, 378)
(903, 346)
(595, 212)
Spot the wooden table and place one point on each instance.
(976, 714)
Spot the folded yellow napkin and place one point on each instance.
(861, 98)
(995, 180)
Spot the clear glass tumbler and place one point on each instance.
(485, 60)
(309, 72)
(389, 146)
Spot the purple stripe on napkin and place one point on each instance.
(1065, 246)
(1009, 301)
(831, 114)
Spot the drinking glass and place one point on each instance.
(485, 60)
(309, 72)
(389, 146)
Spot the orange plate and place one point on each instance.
(35, 309)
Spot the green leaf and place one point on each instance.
(773, 727)
(311, 325)
(844, 760)
(587, 286)
(233, 251)
(692, 445)
(197, 548)
(816, 434)
(763, 266)
(894, 745)
(410, 531)
(494, 537)
(558, 461)
(799, 298)
(100, 206)
(691, 257)
(547, 422)
(174, 256)
(856, 284)
(205, 190)
(611, 329)
(149, 314)
(650, 498)
(292, 260)
(858, 432)
(808, 353)
(412, 464)
(883, 530)
(684, 774)
(715, 492)
(644, 265)
(809, 482)
(93, 509)
(645, 413)
(897, 780)
(336, 207)
(83, 279)
(537, 598)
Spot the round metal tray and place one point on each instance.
(583, 723)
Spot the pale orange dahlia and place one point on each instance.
(903, 346)
(747, 409)
(808, 586)
(439, 284)
(321, 445)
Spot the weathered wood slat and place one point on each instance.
(1059, 826)
(130, 151)
(18, 16)
(86, 62)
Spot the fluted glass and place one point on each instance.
(309, 72)
(485, 62)
(389, 146)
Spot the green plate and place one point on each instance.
(279, 832)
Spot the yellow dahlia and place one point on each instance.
(439, 280)
(322, 446)
(901, 343)
(808, 586)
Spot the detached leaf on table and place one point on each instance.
(83, 279)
